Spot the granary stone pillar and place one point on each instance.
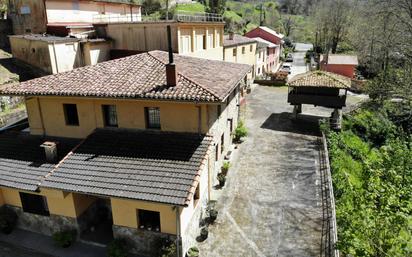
(336, 119)
(296, 110)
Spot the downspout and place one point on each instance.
(178, 233)
(41, 116)
(55, 57)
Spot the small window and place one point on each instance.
(71, 115)
(243, 50)
(222, 143)
(234, 51)
(149, 220)
(267, 51)
(251, 48)
(231, 125)
(196, 196)
(217, 152)
(109, 115)
(152, 117)
(35, 204)
(259, 54)
(219, 110)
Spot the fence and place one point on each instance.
(329, 227)
(186, 16)
(116, 18)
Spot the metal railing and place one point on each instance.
(329, 227)
(187, 16)
(116, 18)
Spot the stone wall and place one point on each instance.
(46, 225)
(141, 241)
(197, 221)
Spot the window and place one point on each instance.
(231, 125)
(251, 48)
(152, 117)
(109, 115)
(149, 220)
(196, 195)
(243, 50)
(259, 54)
(35, 204)
(217, 152)
(222, 143)
(71, 115)
(267, 51)
(219, 110)
(234, 51)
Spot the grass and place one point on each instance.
(233, 16)
(195, 7)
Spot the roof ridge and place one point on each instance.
(189, 79)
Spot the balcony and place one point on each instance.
(186, 16)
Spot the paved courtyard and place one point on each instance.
(271, 205)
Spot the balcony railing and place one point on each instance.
(116, 18)
(187, 16)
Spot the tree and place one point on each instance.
(216, 6)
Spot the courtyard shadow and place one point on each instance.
(304, 124)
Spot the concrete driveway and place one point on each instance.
(271, 205)
(299, 65)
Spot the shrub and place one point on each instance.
(240, 132)
(169, 250)
(193, 252)
(225, 167)
(117, 248)
(65, 238)
(221, 178)
(8, 220)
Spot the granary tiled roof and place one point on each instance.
(23, 162)
(237, 40)
(320, 79)
(142, 165)
(141, 76)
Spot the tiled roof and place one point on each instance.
(47, 38)
(142, 165)
(22, 161)
(320, 79)
(267, 43)
(141, 76)
(271, 31)
(237, 40)
(341, 59)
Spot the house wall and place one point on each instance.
(96, 52)
(260, 61)
(130, 114)
(43, 55)
(84, 11)
(1, 199)
(32, 52)
(187, 38)
(272, 60)
(249, 57)
(27, 16)
(344, 70)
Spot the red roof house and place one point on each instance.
(267, 34)
(344, 65)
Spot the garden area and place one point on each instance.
(371, 169)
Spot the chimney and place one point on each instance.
(171, 72)
(231, 35)
(50, 150)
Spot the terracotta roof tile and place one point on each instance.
(144, 165)
(237, 40)
(141, 76)
(320, 79)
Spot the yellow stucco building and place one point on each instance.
(131, 145)
(240, 49)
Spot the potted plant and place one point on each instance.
(225, 167)
(213, 215)
(8, 220)
(240, 132)
(222, 179)
(65, 238)
(193, 252)
(204, 232)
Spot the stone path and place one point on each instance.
(271, 205)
